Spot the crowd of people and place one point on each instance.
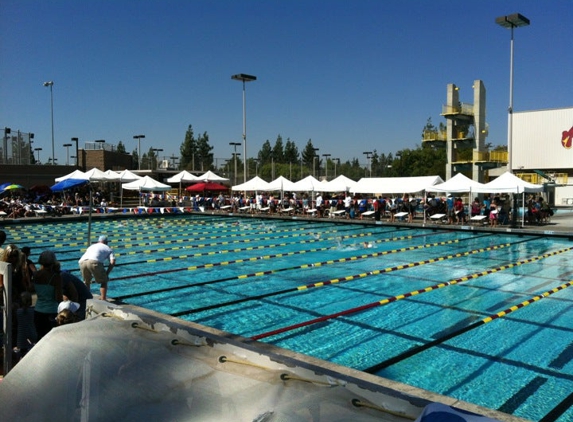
(45, 297)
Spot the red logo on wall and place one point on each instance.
(567, 138)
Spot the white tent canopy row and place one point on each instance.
(395, 185)
(506, 183)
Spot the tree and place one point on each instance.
(278, 150)
(265, 153)
(188, 150)
(291, 152)
(204, 155)
(121, 148)
(134, 160)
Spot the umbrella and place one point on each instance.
(13, 187)
(203, 186)
(40, 189)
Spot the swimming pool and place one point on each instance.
(410, 304)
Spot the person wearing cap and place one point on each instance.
(92, 264)
(48, 287)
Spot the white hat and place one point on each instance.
(68, 304)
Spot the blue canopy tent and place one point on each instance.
(75, 183)
(68, 184)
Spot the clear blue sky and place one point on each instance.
(352, 76)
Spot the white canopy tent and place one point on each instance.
(395, 185)
(509, 183)
(308, 184)
(212, 177)
(124, 176)
(96, 175)
(183, 176)
(127, 176)
(76, 174)
(281, 183)
(340, 184)
(146, 183)
(255, 184)
(458, 183)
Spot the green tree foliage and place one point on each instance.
(196, 153)
(265, 154)
(278, 150)
(308, 154)
(291, 152)
(422, 161)
(204, 154)
(188, 150)
(134, 159)
(121, 147)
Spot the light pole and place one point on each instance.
(156, 150)
(67, 153)
(51, 85)
(75, 140)
(138, 137)
(511, 21)
(369, 156)
(38, 149)
(235, 145)
(244, 78)
(326, 165)
(336, 161)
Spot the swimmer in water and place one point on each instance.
(316, 236)
(367, 245)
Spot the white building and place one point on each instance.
(542, 150)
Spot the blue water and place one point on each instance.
(247, 277)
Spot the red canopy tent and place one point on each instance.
(206, 186)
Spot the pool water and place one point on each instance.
(373, 298)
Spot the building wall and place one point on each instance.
(537, 140)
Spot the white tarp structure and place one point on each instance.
(508, 183)
(117, 368)
(146, 183)
(340, 184)
(255, 184)
(308, 184)
(457, 184)
(395, 185)
(212, 177)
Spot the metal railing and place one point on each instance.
(461, 108)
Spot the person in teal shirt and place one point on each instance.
(48, 286)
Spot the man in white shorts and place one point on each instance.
(92, 264)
